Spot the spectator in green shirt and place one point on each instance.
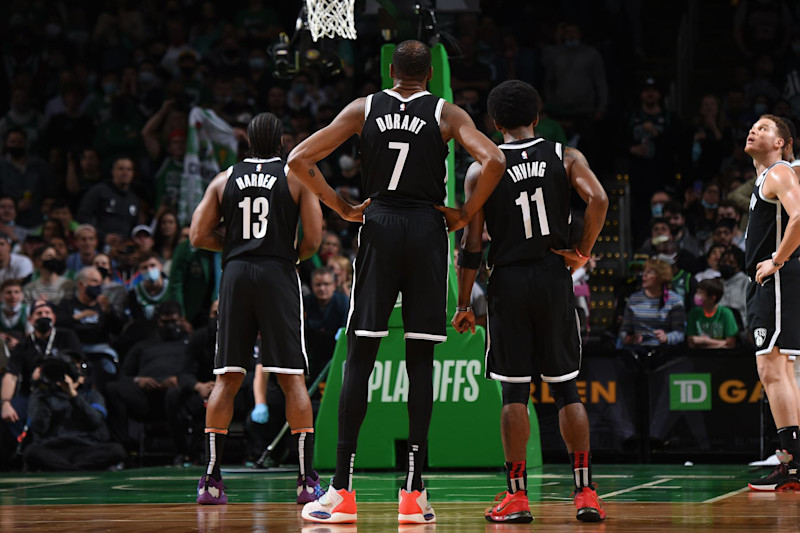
(710, 325)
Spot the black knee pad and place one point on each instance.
(516, 393)
(564, 393)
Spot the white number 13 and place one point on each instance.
(524, 203)
(260, 208)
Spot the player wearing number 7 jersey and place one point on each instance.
(259, 292)
(402, 248)
(531, 304)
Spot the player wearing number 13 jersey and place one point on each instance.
(259, 293)
(402, 248)
(531, 304)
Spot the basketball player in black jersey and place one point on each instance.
(402, 248)
(773, 308)
(259, 292)
(531, 304)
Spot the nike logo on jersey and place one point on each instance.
(395, 121)
(523, 171)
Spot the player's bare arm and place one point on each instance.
(583, 180)
(471, 243)
(203, 230)
(303, 159)
(457, 124)
(782, 183)
(310, 217)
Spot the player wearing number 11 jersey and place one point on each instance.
(402, 248)
(531, 304)
(259, 292)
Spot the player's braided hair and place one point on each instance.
(265, 131)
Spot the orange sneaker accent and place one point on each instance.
(348, 503)
(511, 509)
(410, 509)
(590, 506)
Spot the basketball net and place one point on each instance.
(329, 18)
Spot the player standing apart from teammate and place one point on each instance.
(773, 308)
(259, 292)
(403, 247)
(531, 304)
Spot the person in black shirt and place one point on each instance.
(111, 206)
(150, 369)
(45, 341)
(259, 292)
(532, 315)
(403, 247)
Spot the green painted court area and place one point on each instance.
(616, 483)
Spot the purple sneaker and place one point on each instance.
(211, 492)
(309, 491)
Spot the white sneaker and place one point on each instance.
(333, 507)
(772, 460)
(414, 508)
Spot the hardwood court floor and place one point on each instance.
(639, 498)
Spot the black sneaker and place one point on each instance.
(784, 477)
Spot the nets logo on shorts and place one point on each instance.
(759, 336)
(690, 392)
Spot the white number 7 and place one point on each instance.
(398, 166)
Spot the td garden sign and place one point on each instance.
(693, 392)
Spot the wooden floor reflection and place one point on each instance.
(744, 511)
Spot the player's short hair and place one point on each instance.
(513, 104)
(784, 132)
(412, 60)
(265, 131)
(713, 288)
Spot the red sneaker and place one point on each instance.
(590, 507)
(512, 509)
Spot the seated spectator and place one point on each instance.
(90, 315)
(166, 237)
(142, 237)
(51, 285)
(147, 295)
(654, 316)
(710, 325)
(730, 211)
(84, 175)
(342, 272)
(13, 312)
(111, 206)
(67, 421)
(712, 263)
(194, 281)
(722, 233)
(13, 266)
(86, 243)
(62, 213)
(31, 244)
(46, 341)
(326, 311)
(8, 220)
(734, 281)
(150, 368)
(676, 218)
(23, 177)
(59, 244)
(659, 232)
(702, 214)
(113, 290)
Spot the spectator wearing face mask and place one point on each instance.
(676, 218)
(112, 289)
(90, 315)
(151, 291)
(710, 325)
(46, 340)
(659, 233)
(150, 369)
(734, 281)
(712, 263)
(51, 285)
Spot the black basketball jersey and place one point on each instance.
(528, 213)
(402, 151)
(766, 225)
(259, 211)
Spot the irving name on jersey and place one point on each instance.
(527, 169)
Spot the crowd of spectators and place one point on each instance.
(95, 266)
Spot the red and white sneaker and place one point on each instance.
(511, 509)
(590, 506)
(333, 507)
(414, 508)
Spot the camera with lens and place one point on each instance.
(53, 370)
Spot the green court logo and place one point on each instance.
(690, 392)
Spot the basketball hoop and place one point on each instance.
(329, 18)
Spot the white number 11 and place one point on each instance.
(541, 211)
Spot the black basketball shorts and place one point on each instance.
(260, 295)
(773, 311)
(532, 318)
(400, 250)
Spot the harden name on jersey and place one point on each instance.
(265, 181)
